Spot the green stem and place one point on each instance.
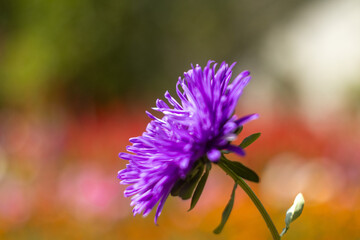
(253, 197)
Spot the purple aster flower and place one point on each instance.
(193, 130)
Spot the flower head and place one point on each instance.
(198, 126)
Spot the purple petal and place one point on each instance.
(160, 207)
(213, 155)
(235, 149)
(248, 118)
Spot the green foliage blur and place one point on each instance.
(81, 53)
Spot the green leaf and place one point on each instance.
(241, 170)
(175, 191)
(226, 212)
(249, 140)
(238, 131)
(200, 187)
(188, 188)
(182, 185)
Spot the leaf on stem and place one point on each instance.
(241, 170)
(249, 140)
(188, 188)
(200, 187)
(238, 131)
(226, 212)
(185, 187)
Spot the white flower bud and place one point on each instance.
(294, 212)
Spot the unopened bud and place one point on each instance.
(294, 212)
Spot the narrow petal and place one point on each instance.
(160, 207)
(235, 149)
(248, 118)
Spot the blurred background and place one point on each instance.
(77, 76)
